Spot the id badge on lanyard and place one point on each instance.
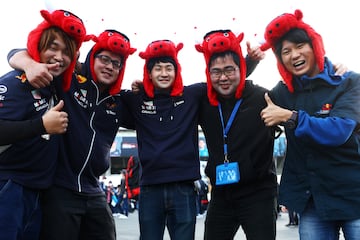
(228, 172)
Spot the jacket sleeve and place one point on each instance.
(127, 120)
(250, 65)
(12, 131)
(13, 51)
(329, 131)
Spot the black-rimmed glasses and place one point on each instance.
(228, 72)
(107, 60)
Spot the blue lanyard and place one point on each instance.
(228, 125)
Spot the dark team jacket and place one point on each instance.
(327, 174)
(24, 129)
(167, 134)
(31, 161)
(250, 143)
(94, 119)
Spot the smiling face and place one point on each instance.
(106, 73)
(55, 50)
(225, 75)
(163, 75)
(299, 58)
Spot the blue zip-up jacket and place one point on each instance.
(94, 119)
(318, 165)
(30, 162)
(167, 134)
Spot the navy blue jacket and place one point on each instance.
(30, 162)
(314, 166)
(94, 119)
(167, 134)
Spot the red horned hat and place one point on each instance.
(162, 48)
(221, 41)
(70, 24)
(282, 24)
(118, 43)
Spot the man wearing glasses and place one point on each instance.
(75, 206)
(240, 166)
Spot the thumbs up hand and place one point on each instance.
(273, 115)
(55, 120)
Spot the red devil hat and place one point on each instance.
(70, 24)
(162, 48)
(221, 41)
(282, 24)
(115, 42)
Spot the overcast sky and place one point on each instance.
(144, 21)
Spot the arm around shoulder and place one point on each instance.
(12, 131)
(37, 74)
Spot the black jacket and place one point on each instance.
(250, 143)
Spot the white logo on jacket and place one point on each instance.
(148, 107)
(3, 89)
(81, 100)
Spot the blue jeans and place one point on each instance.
(123, 205)
(313, 228)
(171, 204)
(20, 213)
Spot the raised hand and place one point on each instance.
(340, 69)
(38, 74)
(273, 114)
(254, 52)
(55, 120)
(136, 85)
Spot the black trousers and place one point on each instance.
(73, 216)
(225, 216)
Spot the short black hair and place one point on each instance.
(295, 35)
(235, 57)
(165, 59)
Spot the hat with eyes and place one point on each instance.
(117, 43)
(70, 24)
(281, 25)
(221, 41)
(162, 48)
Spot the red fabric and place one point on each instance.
(130, 165)
(221, 41)
(278, 27)
(70, 24)
(135, 191)
(162, 48)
